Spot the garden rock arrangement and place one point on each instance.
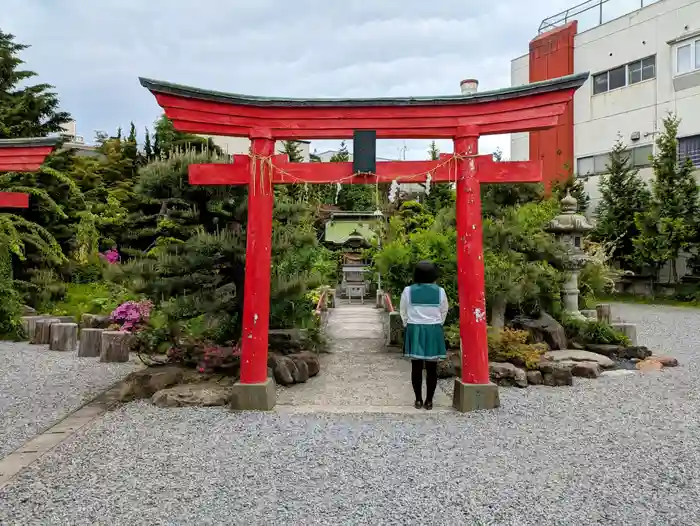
(553, 359)
(177, 386)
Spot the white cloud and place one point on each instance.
(94, 52)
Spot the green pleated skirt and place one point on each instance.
(424, 342)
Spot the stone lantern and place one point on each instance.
(569, 227)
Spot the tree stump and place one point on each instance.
(603, 311)
(64, 337)
(29, 325)
(114, 346)
(90, 343)
(42, 332)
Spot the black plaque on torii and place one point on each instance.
(364, 151)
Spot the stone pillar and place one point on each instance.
(570, 292)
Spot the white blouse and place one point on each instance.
(423, 314)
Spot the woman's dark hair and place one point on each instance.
(425, 272)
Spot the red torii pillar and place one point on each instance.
(463, 118)
(22, 155)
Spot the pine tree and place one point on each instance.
(131, 146)
(623, 194)
(353, 197)
(148, 147)
(496, 199)
(573, 186)
(168, 139)
(439, 195)
(29, 110)
(670, 224)
(293, 151)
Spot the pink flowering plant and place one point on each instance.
(132, 315)
(111, 256)
(206, 357)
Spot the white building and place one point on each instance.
(643, 65)
(241, 145)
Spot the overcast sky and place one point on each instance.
(94, 52)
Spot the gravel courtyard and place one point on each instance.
(38, 387)
(610, 451)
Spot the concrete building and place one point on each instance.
(643, 64)
(76, 142)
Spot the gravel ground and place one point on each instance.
(622, 451)
(38, 387)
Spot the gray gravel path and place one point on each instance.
(622, 451)
(38, 387)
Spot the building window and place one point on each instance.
(689, 148)
(687, 57)
(622, 76)
(598, 164)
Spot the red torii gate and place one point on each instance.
(22, 155)
(461, 117)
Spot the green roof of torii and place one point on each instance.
(30, 142)
(569, 82)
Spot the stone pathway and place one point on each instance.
(359, 374)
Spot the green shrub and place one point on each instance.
(91, 298)
(511, 345)
(594, 332)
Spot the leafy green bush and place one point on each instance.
(592, 331)
(510, 345)
(91, 298)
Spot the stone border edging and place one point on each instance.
(22, 457)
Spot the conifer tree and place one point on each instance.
(439, 195)
(25, 110)
(353, 197)
(623, 194)
(670, 223)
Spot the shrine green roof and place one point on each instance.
(568, 82)
(27, 143)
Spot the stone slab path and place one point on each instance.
(359, 374)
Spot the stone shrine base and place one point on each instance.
(475, 397)
(254, 397)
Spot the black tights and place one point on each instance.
(430, 379)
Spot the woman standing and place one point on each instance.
(423, 311)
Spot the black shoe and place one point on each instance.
(418, 404)
(428, 405)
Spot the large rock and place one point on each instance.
(145, 383)
(543, 329)
(28, 311)
(94, 321)
(450, 367)
(556, 374)
(666, 361)
(586, 369)
(507, 374)
(283, 368)
(205, 394)
(649, 365)
(287, 341)
(614, 352)
(534, 378)
(579, 356)
(636, 351)
(310, 359)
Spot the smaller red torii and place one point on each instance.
(22, 155)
